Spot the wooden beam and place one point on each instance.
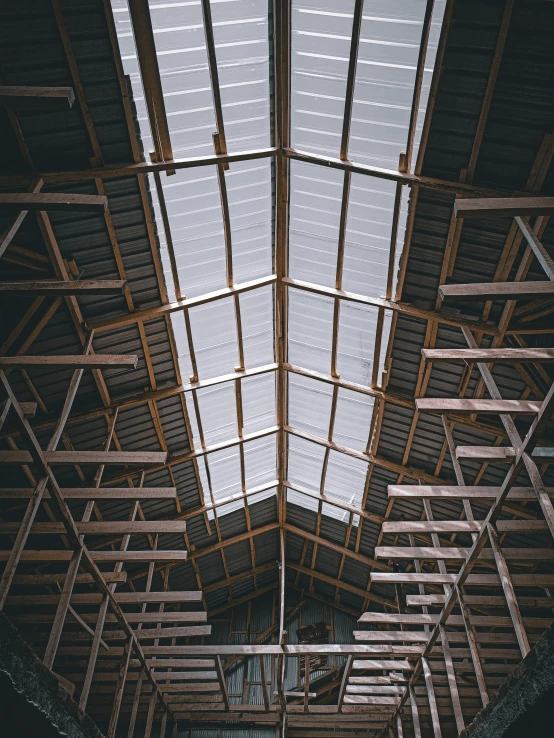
(47, 98)
(503, 207)
(335, 547)
(393, 175)
(80, 287)
(495, 355)
(481, 406)
(400, 307)
(138, 169)
(221, 681)
(536, 246)
(363, 593)
(127, 598)
(151, 80)
(29, 409)
(458, 526)
(49, 579)
(103, 527)
(91, 361)
(179, 305)
(384, 665)
(484, 580)
(95, 493)
(502, 454)
(509, 593)
(487, 621)
(460, 554)
(101, 556)
(461, 492)
(171, 616)
(479, 601)
(33, 201)
(484, 291)
(344, 683)
(146, 458)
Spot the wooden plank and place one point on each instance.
(33, 201)
(481, 406)
(49, 579)
(144, 458)
(29, 409)
(494, 355)
(93, 361)
(95, 493)
(382, 665)
(127, 598)
(151, 80)
(179, 305)
(461, 492)
(101, 556)
(380, 302)
(503, 207)
(485, 580)
(406, 636)
(459, 526)
(480, 600)
(460, 554)
(48, 98)
(104, 527)
(497, 291)
(179, 688)
(542, 255)
(118, 696)
(344, 682)
(432, 699)
(171, 616)
(81, 287)
(488, 621)
(502, 454)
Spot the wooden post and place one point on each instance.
(134, 708)
(451, 676)
(118, 697)
(150, 715)
(432, 699)
(415, 712)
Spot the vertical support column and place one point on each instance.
(432, 699)
(118, 697)
(150, 715)
(415, 713)
(451, 676)
(135, 707)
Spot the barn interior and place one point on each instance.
(276, 368)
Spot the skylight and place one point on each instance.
(342, 341)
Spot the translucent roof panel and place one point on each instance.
(250, 205)
(315, 206)
(256, 309)
(242, 48)
(310, 330)
(321, 37)
(200, 235)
